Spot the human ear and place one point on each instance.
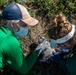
(12, 22)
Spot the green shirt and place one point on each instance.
(69, 65)
(11, 53)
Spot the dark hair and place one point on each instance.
(60, 27)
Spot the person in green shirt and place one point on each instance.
(10, 49)
(63, 43)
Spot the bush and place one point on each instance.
(52, 7)
(4, 3)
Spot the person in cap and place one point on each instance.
(63, 43)
(10, 49)
(18, 19)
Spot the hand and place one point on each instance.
(50, 53)
(42, 46)
(47, 54)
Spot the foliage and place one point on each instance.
(51, 7)
(45, 7)
(4, 3)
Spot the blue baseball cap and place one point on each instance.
(15, 11)
(12, 12)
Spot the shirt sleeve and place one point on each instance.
(69, 66)
(62, 65)
(15, 58)
(1, 63)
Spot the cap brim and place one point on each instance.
(30, 21)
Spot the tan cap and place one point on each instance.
(26, 18)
